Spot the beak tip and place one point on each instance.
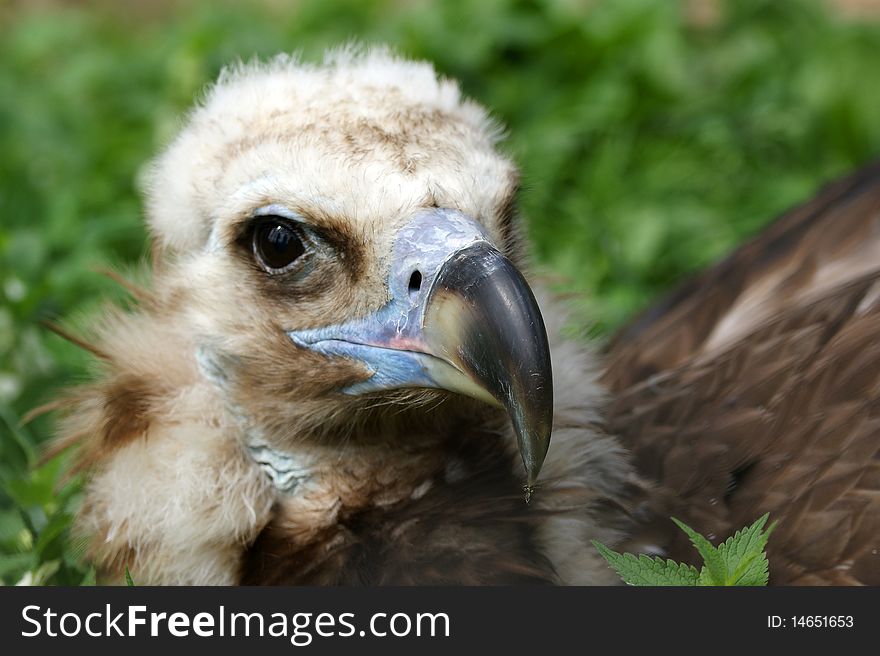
(535, 459)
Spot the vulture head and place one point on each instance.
(340, 372)
(343, 251)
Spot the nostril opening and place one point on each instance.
(415, 282)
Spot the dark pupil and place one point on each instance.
(278, 245)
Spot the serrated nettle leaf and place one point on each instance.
(741, 568)
(647, 570)
(753, 573)
(742, 554)
(683, 574)
(740, 560)
(714, 571)
(705, 579)
(745, 541)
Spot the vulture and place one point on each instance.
(342, 372)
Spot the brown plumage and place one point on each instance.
(318, 420)
(755, 388)
(423, 541)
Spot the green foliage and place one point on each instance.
(649, 570)
(743, 555)
(128, 580)
(649, 146)
(739, 560)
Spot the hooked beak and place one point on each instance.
(461, 318)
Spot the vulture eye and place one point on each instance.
(277, 244)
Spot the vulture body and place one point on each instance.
(755, 388)
(338, 370)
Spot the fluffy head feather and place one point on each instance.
(366, 136)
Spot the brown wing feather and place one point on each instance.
(805, 253)
(756, 388)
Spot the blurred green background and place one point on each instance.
(654, 136)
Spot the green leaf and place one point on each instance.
(646, 570)
(740, 560)
(714, 571)
(754, 571)
(128, 580)
(743, 554)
